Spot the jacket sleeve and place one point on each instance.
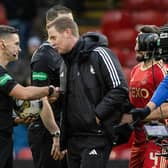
(116, 90)
(45, 66)
(161, 93)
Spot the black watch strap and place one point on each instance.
(55, 134)
(50, 90)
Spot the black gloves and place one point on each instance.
(140, 113)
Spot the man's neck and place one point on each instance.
(147, 64)
(3, 62)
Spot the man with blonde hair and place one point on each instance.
(94, 90)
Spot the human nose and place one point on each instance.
(19, 49)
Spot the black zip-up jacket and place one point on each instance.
(94, 85)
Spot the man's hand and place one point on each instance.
(97, 120)
(27, 120)
(54, 93)
(55, 151)
(126, 118)
(52, 99)
(140, 113)
(62, 154)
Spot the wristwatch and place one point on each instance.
(50, 90)
(55, 134)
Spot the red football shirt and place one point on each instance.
(143, 83)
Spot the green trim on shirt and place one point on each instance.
(39, 76)
(4, 79)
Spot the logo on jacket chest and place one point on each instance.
(92, 70)
(62, 74)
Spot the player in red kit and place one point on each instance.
(145, 77)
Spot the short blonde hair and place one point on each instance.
(63, 23)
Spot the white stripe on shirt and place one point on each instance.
(110, 66)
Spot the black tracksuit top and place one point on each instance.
(80, 111)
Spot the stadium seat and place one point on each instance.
(166, 16)
(130, 58)
(115, 19)
(118, 52)
(3, 17)
(126, 57)
(148, 17)
(122, 38)
(163, 5)
(140, 4)
(127, 72)
(24, 154)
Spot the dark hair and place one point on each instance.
(53, 12)
(149, 29)
(6, 30)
